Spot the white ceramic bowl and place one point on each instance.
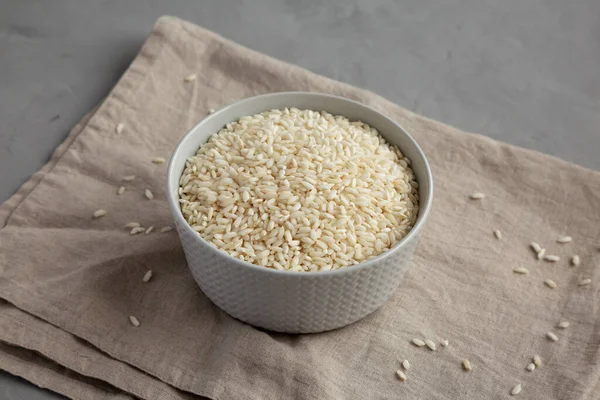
(287, 301)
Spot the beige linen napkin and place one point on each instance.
(84, 276)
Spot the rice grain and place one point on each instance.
(516, 389)
(120, 127)
(405, 364)
(430, 344)
(498, 234)
(150, 229)
(551, 336)
(585, 282)
(401, 375)
(521, 270)
(418, 342)
(147, 276)
(445, 342)
(165, 229)
(190, 78)
(564, 239)
(129, 178)
(137, 230)
(149, 194)
(537, 360)
(563, 324)
(575, 260)
(158, 160)
(99, 213)
(550, 283)
(131, 225)
(121, 190)
(477, 196)
(467, 365)
(134, 321)
(531, 367)
(551, 258)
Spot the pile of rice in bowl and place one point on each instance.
(299, 190)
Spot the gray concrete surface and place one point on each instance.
(524, 72)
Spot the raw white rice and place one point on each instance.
(405, 364)
(401, 375)
(299, 190)
(430, 344)
(121, 190)
(120, 127)
(477, 196)
(190, 78)
(129, 178)
(585, 282)
(148, 194)
(550, 283)
(575, 260)
(521, 270)
(165, 229)
(445, 342)
(418, 342)
(149, 230)
(131, 225)
(158, 160)
(552, 336)
(564, 239)
(134, 321)
(551, 258)
(563, 324)
(516, 389)
(147, 276)
(498, 234)
(100, 213)
(467, 365)
(531, 367)
(537, 360)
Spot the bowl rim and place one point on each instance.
(424, 208)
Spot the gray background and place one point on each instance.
(524, 72)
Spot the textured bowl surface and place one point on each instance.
(287, 301)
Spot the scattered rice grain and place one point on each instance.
(521, 270)
(165, 229)
(401, 375)
(149, 230)
(211, 110)
(564, 239)
(535, 247)
(550, 283)
(575, 260)
(498, 234)
(540, 255)
(129, 178)
(418, 342)
(405, 364)
(134, 321)
(477, 196)
(445, 342)
(137, 230)
(467, 365)
(158, 160)
(147, 276)
(563, 324)
(148, 194)
(132, 225)
(516, 389)
(551, 258)
(551, 336)
(585, 282)
(537, 360)
(120, 127)
(121, 190)
(100, 213)
(531, 367)
(190, 78)
(430, 344)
